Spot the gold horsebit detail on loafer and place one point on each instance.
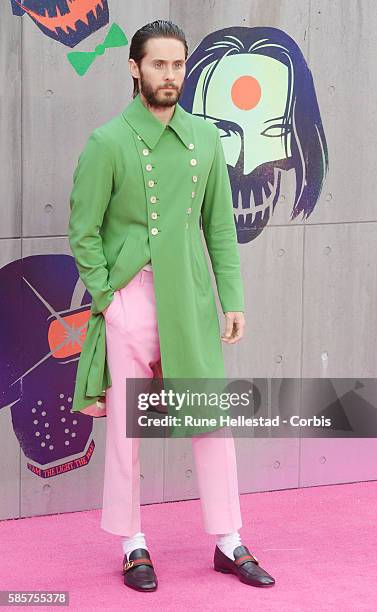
(134, 562)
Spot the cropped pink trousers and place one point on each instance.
(132, 345)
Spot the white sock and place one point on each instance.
(136, 541)
(227, 542)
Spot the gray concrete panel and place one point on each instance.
(10, 123)
(339, 301)
(330, 461)
(342, 55)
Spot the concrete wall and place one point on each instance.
(310, 284)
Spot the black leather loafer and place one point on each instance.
(138, 571)
(245, 566)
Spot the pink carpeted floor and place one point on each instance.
(319, 543)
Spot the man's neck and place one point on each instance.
(163, 113)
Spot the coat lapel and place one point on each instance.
(146, 124)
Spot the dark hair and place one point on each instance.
(156, 29)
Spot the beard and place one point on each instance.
(160, 98)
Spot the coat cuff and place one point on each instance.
(230, 291)
(100, 301)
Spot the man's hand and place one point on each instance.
(234, 327)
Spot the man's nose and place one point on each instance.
(169, 74)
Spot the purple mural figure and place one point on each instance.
(67, 21)
(43, 318)
(255, 86)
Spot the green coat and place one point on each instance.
(132, 167)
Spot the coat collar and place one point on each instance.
(146, 124)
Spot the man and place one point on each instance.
(143, 183)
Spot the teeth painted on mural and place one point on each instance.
(267, 196)
(272, 188)
(262, 208)
(267, 201)
(75, 11)
(98, 8)
(239, 201)
(264, 212)
(254, 216)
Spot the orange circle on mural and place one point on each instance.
(246, 92)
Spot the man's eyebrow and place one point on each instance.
(157, 59)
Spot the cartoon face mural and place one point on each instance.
(255, 86)
(67, 21)
(43, 318)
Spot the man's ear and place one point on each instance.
(134, 70)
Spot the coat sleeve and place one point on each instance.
(221, 235)
(92, 186)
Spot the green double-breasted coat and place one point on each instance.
(139, 190)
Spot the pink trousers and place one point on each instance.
(132, 344)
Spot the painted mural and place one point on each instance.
(82, 60)
(66, 21)
(43, 318)
(255, 86)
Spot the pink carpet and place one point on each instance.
(319, 543)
